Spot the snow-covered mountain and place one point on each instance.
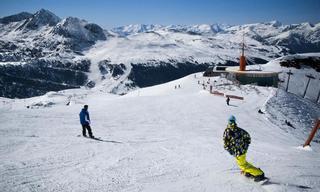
(298, 38)
(195, 29)
(39, 19)
(38, 53)
(41, 52)
(160, 54)
(137, 28)
(15, 18)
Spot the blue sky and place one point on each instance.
(113, 13)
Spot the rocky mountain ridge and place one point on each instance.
(71, 52)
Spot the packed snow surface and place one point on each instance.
(154, 139)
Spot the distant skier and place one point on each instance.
(289, 124)
(228, 100)
(85, 121)
(236, 142)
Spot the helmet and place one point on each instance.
(232, 119)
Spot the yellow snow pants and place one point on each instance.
(247, 167)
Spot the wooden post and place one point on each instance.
(309, 78)
(318, 96)
(289, 73)
(313, 132)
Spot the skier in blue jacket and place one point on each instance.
(85, 121)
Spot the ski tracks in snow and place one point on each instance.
(169, 143)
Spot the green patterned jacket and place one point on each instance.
(236, 140)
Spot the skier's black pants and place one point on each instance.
(84, 127)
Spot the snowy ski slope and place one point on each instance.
(154, 139)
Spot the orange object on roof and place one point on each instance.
(242, 59)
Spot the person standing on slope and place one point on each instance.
(228, 100)
(85, 121)
(236, 142)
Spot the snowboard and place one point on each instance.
(99, 139)
(94, 138)
(260, 180)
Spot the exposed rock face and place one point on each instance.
(39, 19)
(15, 18)
(41, 76)
(144, 75)
(79, 33)
(115, 70)
(312, 62)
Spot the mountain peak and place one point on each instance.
(80, 33)
(15, 18)
(41, 18)
(46, 16)
(72, 21)
(275, 23)
(135, 28)
(192, 29)
(307, 24)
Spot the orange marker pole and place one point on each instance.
(312, 134)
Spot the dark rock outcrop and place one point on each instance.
(15, 18)
(40, 76)
(144, 75)
(115, 70)
(80, 34)
(313, 62)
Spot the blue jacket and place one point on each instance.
(84, 117)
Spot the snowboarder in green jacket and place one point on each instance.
(236, 142)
